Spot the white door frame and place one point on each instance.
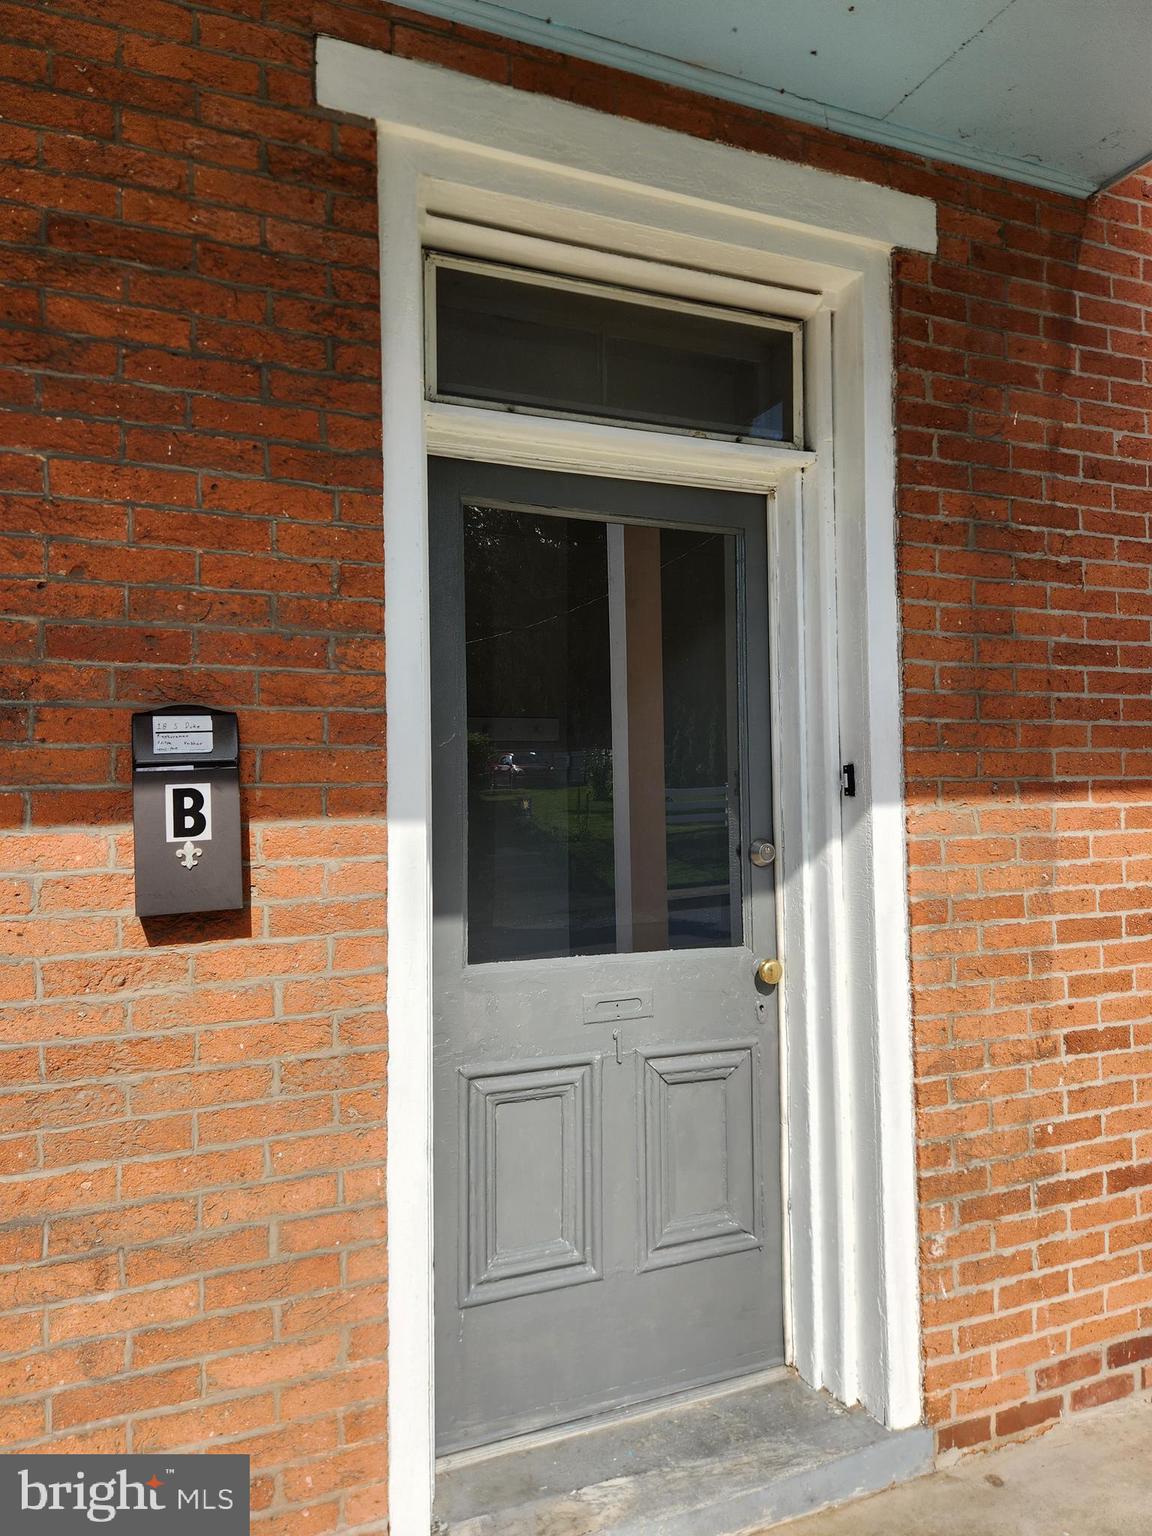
(470, 166)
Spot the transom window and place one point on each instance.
(515, 340)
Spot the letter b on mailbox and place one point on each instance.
(186, 810)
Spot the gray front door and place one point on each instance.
(607, 1132)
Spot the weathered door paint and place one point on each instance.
(607, 1136)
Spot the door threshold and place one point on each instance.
(728, 1460)
(596, 1421)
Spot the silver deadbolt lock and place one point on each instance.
(762, 852)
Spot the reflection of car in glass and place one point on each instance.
(529, 769)
(505, 766)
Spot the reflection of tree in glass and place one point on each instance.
(536, 623)
(694, 612)
(598, 768)
(480, 753)
(538, 661)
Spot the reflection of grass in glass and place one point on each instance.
(697, 853)
(568, 815)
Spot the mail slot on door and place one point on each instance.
(186, 810)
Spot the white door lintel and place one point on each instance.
(525, 168)
(442, 107)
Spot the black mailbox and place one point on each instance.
(186, 810)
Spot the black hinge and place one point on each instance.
(848, 779)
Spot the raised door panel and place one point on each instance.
(530, 1179)
(698, 1148)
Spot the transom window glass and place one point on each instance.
(562, 348)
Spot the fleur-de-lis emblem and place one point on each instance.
(189, 854)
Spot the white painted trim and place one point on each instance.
(671, 298)
(409, 990)
(789, 768)
(683, 281)
(537, 169)
(544, 32)
(425, 102)
(516, 196)
(875, 906)
(629, 453)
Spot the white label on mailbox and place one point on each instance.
(181, 733)
(188, 813)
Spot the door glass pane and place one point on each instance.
(580, 353)
(603, 799)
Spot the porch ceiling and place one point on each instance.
(1054, 92)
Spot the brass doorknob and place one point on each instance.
(770, 972)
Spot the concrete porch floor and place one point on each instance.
(1089, 1477)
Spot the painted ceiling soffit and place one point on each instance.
(509, 23)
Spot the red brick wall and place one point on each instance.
(192, 1122)
(1025, 450)
(192, 1109)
